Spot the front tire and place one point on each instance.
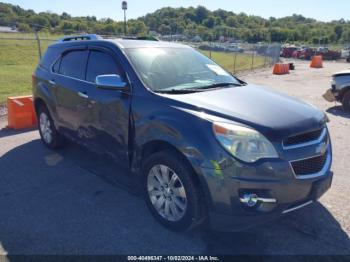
(48, 133)
(346, 101)
(171, 193)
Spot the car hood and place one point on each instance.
(343, 73)
(274, 114)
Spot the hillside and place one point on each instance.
(210, 25)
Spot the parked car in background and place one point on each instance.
(328, 54)
(340, 90)
(308, 53)
(234, 48)
(345, 53)
(213, 47)
(287, 52)
(200, 144)
(305, 53)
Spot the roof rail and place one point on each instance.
(150, 38)
(80, 37)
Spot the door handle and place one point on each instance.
(52, 82)
(83, 95)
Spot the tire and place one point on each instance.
(179, 200)
(346, 101)
(48, 133)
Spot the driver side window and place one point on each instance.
(101, 63)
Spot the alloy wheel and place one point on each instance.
(167, 193)
(45, 127)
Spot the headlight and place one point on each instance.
(244, 143)
(333, 82)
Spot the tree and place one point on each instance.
(54, 20)
(231, 21)
(209, 22)
(346, 36)
(137, 27)
(67, 27)
(164, 29)
(201, 13)
(338, 30)
(24, 28)
(65, 16)
(39, 22)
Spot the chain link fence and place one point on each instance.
(237, 57)
(20, 53)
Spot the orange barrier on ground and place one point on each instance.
(281, 69)
(316, 62)
(20, 112)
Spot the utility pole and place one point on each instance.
(124, 7)
(37, 40)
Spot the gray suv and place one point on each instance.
(201, 144)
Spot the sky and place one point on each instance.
(323, 10)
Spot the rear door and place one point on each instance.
(107, 120)
(71, 89)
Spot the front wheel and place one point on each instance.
(346, 102)
(172, 195)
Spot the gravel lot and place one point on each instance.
(3, 110)
(75, 202)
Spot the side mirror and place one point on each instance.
(112, 82)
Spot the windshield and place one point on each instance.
(164, 69)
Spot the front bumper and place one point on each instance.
(271, 180)
(245, 218)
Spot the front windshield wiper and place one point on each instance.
(197, 89)
(217, 85)
(177, 91)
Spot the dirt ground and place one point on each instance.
(73, 201)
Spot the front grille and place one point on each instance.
(309, 166)
(302, 138)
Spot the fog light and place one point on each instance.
(250, 200)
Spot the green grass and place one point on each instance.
(18, 59)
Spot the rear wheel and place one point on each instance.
(48, 133)
(346, 101)
(171, 193)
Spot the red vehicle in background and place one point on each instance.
(287, 52)
(328, 54)
(305, 53)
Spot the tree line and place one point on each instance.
(191, 21)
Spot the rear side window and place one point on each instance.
(56, 66)
(100, 64)
(73, 64)
(49, 57)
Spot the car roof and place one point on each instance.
(134, 43)
(120, 42)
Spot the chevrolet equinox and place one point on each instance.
(201, 144)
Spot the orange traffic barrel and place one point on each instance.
(20, 112)
(316, 62)
(281, 69)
